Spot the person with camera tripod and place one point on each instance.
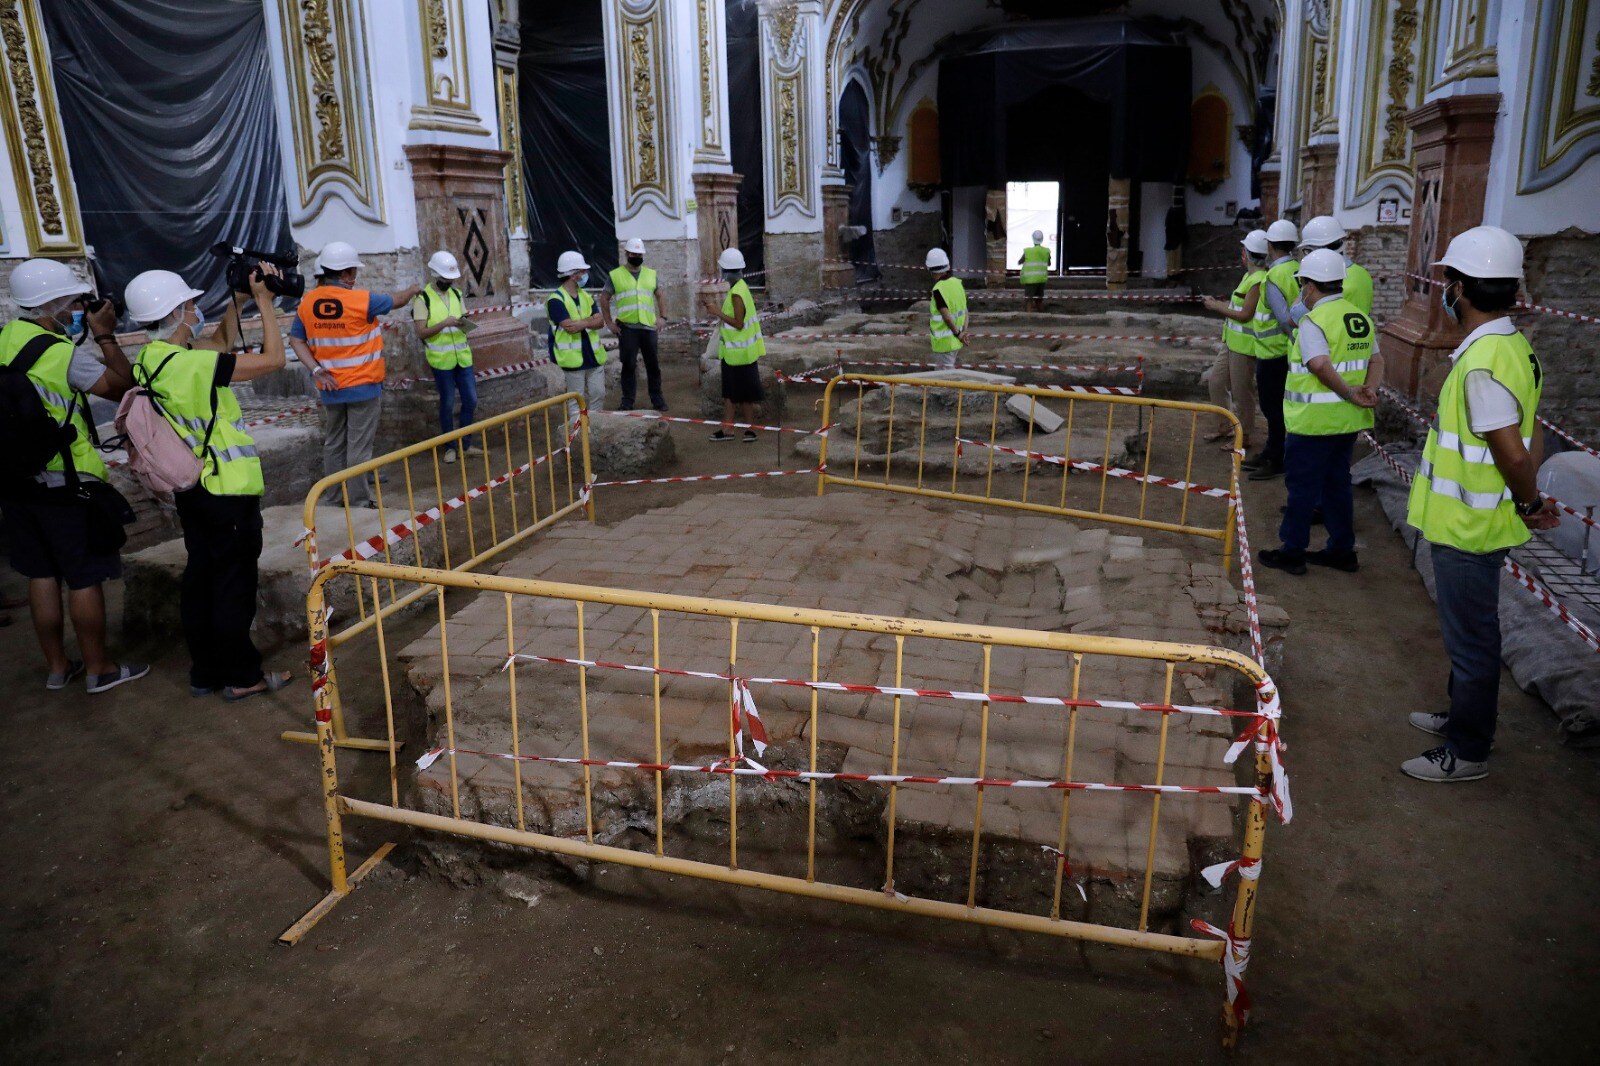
(51, 532)
(221, 515)
(337, 337)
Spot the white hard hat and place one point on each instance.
(634, 247)
(155, 294)
(937, 259)
(444, 265)
(570, 263)
(1038, 236)
(38, 281)
(337, 256)
(731, 259)
(1282, 232)
(1255, 242)
(1324, 264)
(1481, 252)
(1321, 232)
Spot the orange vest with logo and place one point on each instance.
(340, 336)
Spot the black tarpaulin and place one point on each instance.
(1141, 74)
(169, 117)
(745, 146)
(566, 138)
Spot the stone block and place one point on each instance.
(1031, 409)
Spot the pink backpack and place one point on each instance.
(158, 457)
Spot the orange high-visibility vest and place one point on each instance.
(340, 336)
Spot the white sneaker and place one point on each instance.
(1441, 766)
(1428, 723)
(473, 449)
(449, 455)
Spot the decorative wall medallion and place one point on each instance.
(33, 136)
(1560, 130)
(329, 109)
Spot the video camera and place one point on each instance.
(244, 262)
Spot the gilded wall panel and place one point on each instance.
(712, 61)
(33, 135)
(1470, 41)
(1561, 126)
(447, 69)
(1389, 85)
(643, 52)
(1325, 17)
(790, 168)
(330, 109)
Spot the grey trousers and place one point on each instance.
(588, 382)
(348, 431)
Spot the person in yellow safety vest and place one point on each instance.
(1474, 496)
(632, 288)
(336, 336)
(574, 334)
(48, 527)
(740, 346)
(1233, 374)
(1324, 231)
(947, 310)
(1334, 368)
(221, 515)
(1274, 326)
(437, 314)
(1035, 263)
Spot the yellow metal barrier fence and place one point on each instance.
(889, 447)
(503, 498)
(727, 637)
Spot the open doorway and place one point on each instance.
(1030, 206)
(1061, 137)
(855, 150)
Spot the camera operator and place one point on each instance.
(221, 515)
(336, 336)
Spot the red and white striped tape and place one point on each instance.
(869, 337)
(1521, 576)
(685, 479)
(1543, 309)
(1089, 271)
(1235, 961)
(1107, 368)
(480, 375)
(1062, 294)
(1247, 869)
(655, 416)
(1096, 468)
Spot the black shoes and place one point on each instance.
(1348, 561)
(1279, 559)
(1266, 471)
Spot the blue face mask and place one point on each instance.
(199, 321)
(583, 279)
(1451, 309)
(76, 328)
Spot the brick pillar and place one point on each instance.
(835, 215)
(717, 209)
(1453, 139)
(994, 235)
(1270, 179)
(1317, 163)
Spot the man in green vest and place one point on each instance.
(632, 289)
(47, 525)
(1274, 326)
(947, 310)
(221, 515)
(1327, 400)
(1324, 231)
(739, 346)
(1035, 263)
(438, 314)
(1474, 496)
(1233, 375)
(574, 334)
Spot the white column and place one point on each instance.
(793, 150)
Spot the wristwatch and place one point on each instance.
(1530, 508)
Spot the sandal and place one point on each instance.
(1221, 434)
(275, 682)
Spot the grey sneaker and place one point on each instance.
(1441, 766)
(57, 682)
(120, 676)
(1428, 723)
(449, 455)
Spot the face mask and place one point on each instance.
(1451, 309)
(635, 260)
(730, 276)
(199, 322)
(583, 279)
(76, 328)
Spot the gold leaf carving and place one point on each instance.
(705, 64)
(316, 30)
(789, 136)
(1401, 77)
(40, 170)
(1593, 88)
(1319, 91)
(783, 21)
(438, 30)
(644, 105)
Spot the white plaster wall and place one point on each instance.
(1466, 86)
(13, 237)
(1288, 138)
(1573, 202)
(1211, 207)
(1155, 200)
(1351, 99)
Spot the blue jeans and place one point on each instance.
(1468, 590)
(1316, 472)
(449, 382)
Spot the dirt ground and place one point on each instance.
(156, 845)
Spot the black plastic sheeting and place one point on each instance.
(1139, 72)
(169, 117)
(855, 155)
(566, 138)
(745, 145)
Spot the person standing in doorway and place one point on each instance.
(1232, 376)
(633, 287)
(221, 514)
(48, 527)
(437, 314)
(947, 311)
(1324, 231)
(1326, 402)
(574, 336)
(740, 346)
(336, 335)
(1274, 325)
(1475, 496)
(1035, 263)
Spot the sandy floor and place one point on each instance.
(158, 844)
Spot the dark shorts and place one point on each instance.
(49, 537)
(742, 384)
(1033, 291)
